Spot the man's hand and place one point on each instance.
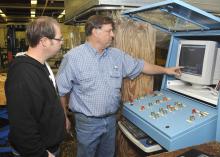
(50, 154)
(68, 125)
(174, 71)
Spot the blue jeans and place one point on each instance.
(95, 136)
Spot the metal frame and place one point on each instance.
(130, 13)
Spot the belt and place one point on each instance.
(102, 116)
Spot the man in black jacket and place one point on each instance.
(37, 121)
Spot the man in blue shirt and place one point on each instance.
(91, 75)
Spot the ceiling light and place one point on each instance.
(63, 13)
(33, 16)
(33, 2)
(60, 16)
(3, 15)
(32, 12)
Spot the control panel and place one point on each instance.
(172, 119)
(181, 115)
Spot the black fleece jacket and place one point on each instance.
(37, 121)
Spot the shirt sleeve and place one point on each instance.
(65, 76)
(131, 67)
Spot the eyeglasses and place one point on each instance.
(57, 39)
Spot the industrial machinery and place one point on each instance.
(13, 45)
(186, 111)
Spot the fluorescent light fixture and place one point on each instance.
(63, 13)
(60, 16)
(3, 15)
(32, 16)
(32, 12)
(33, 2)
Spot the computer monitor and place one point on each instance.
(198, 58)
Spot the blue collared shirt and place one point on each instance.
(94, 80)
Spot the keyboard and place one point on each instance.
(138, 137)
(134, 130)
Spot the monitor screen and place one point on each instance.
(191, 58)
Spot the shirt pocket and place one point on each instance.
(87, 81)
(116, 79)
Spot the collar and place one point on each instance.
(94, 51)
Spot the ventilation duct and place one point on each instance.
(78, 11)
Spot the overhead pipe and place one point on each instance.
(44, 8)
(95, 9)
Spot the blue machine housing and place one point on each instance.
(175, 130)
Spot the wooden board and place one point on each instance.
(2, 88)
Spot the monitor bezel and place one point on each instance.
(206, 78)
